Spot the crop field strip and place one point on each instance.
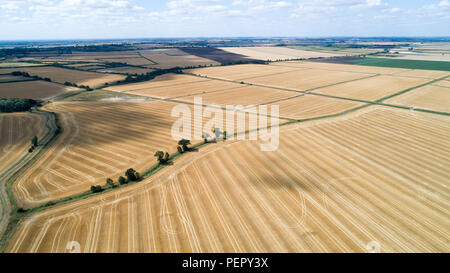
(100, 140)
(407, 84)
(329, 188)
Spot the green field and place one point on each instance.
(409, 64)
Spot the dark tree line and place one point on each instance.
(16, 105)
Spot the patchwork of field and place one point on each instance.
(16, 132)
(32, 89)
(99, 140)
(277, 53)
(198, 88)
(243, 71)
(429, 97)
(18, 64)
(372, 88)
(377, 177)
(62, 75)
(245, 96)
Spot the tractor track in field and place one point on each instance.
(7, 177)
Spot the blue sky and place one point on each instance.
(75, 19)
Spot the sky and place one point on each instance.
(109, 19)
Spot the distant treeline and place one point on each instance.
(16, 105)
(27, 75)
(150, 75)
(24, 51)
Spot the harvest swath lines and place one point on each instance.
(99, 140)
(16, 132)
(333, 186)
(62, 75)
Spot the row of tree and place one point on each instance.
(130, 176)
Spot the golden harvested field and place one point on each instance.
(310, 106)
(167, 80)
(32, 89)
(247, 95)
(238, 72)
(189, 88)
(276, 53)
(16, 132)
(62, 75)
(99, 140)
(372, 88)
(429, 97)
(378, 176)
(429, 74)
(306, 79)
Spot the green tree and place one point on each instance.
(224, 135)
(184, 143)
(160, 156)
(110, 182)
(96, 189)
(122, 180)
(34, 141)
(131, 175)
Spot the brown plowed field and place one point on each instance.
(375, 177)
(32, 89)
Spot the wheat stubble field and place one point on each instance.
(328, 188)
(357, 173)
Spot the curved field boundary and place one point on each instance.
(9, 217)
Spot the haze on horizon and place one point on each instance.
(108, 19)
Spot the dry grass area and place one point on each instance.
(62, 75)
(306, 79)
(429, 97)
(310, 106)
(99, 140)
(372, 88)
(32, 89)
(276, 53)
(16, 132)
(378, 175)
